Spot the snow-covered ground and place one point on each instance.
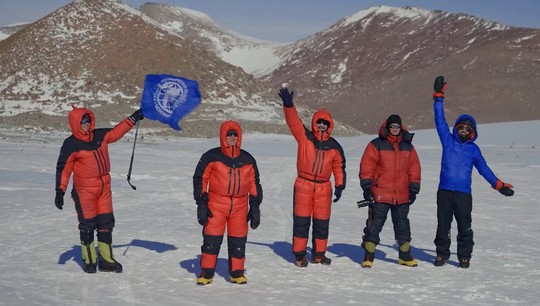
(157, 237)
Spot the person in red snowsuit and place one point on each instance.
(390, 177)
(318, 157)
(226, 179)
(85, 154)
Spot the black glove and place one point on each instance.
(337, 193)
(254, 213)
(439, 87)
(286, 97)
(136, 116)
(504, 188)
(203, 213)
(412, 197)
(506, 191)
(368, 195)
(59, 199)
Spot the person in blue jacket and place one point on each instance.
(454, 198)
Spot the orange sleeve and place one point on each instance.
(338, 168)
(119, 131)
(206, 177)
(368, 163)
(295, 124)
(66, 173)
(414, 168)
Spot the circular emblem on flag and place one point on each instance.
(170, 94)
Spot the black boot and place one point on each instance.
(321, 259)
(302, 262)
(441, 260)
(464, 262)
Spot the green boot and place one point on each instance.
(107, 263)
(405, 257)
(369, 256)
(88, 252)
(89, 257)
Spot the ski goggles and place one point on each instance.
(324, 122)
(465, 127)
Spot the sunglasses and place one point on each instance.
(395, 126)
(85, 121)
(464, 127)
(322, 121)
(232, 134)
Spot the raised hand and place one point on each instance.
(439, 87)
(136, 116)
(286, 96)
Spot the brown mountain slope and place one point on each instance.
(384, 60)
(98, 51)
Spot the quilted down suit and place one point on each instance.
(228, 176)
(318, 157)
(85, 154)
(454, 199)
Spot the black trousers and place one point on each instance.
(377, 217)
(452, 204)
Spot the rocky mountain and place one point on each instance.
(6, 31)
(366, 66)
(98, 52)
(383, 60)
(255, 56)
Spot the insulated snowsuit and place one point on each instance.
(454, 195)
(86, 155)
(229, 175)
(318, 156)
(391, 168)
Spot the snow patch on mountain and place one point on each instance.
(397, 13)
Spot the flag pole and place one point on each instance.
(133, 154)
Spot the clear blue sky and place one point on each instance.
(289, 20)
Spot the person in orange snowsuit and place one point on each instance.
(225, 181)
(85, 154)
(318, 157)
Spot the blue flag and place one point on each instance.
(169, 98)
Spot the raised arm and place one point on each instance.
(441, 125)
(123, 127)
(291, 115)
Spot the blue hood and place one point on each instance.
(469, 117)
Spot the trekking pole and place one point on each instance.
(132, 155)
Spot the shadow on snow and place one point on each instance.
(75, 252)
